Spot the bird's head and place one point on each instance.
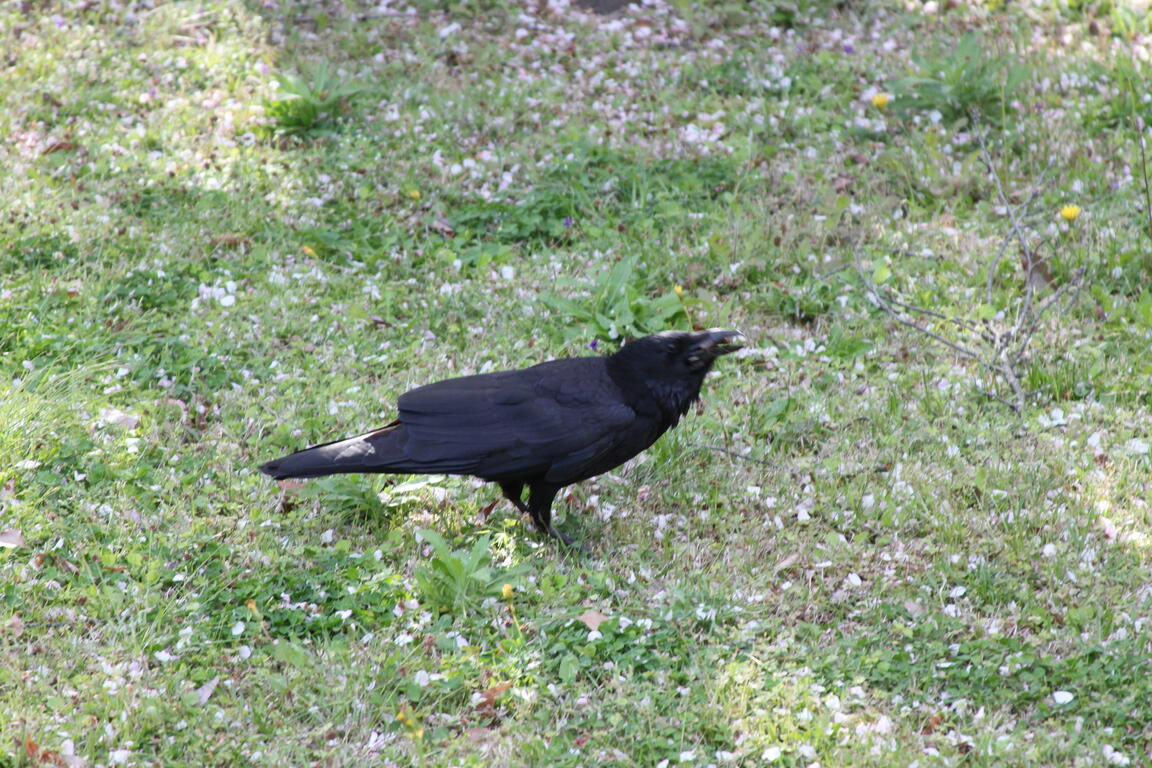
(673, 363)
(684, 352)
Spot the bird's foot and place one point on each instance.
(556, 533)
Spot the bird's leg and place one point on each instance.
(540, 498)
(539, 507)
(513, 491)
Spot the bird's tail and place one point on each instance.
(364, 453)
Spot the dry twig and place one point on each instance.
(1002, 351)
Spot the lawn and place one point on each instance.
(909, 523)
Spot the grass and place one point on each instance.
(233, 229)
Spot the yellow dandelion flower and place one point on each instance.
(1070, 212)
(881, 100)
(414, 194)
(679, 289)
(506, 591)
(308, 250)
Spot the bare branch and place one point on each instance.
(737, 454)
(916, 326)
(1034, 320)
(932, 313)
(997, 398)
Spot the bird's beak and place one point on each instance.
(720, 342)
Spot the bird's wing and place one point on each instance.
(552, 420)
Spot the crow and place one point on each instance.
(544, 427)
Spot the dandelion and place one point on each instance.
(881, 100)
(414, 194)
(308, 250)
(679, 291)
(1070, 212)
(506, 591)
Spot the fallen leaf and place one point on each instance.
(1037, 274)
(787, 562)
(931, 725)
(114, 417)
(230, 240)
(914, 608)
(488, 698)
(290, 485)
(204, 692)
(11, 538)
(62, 145)
(41, 756)
(592, 619)
(487, 511)
(441, 226)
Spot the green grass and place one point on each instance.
(230, 230)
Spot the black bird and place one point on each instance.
(544, 427)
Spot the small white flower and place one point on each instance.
(238, 628)
(119, 756)
(957, 592)
(1062, 697)
(770, 754)
(1114, 757)
(422, 678)
(687, 755)
(1137, 446)
(594, 635)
